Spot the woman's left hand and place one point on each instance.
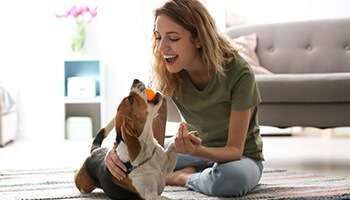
(186, 143)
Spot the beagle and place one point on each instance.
(146, 160)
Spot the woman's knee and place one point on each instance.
(234, 180)
(232, 184)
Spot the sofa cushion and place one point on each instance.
(247, 45)
(304, 88)
(314, 46)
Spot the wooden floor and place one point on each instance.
(304, 152)
(311, 150)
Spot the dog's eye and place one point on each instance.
(130, 99)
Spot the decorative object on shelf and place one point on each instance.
(82, 16)
(79, 127)
(81, 87)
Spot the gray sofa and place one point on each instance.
(310, 62)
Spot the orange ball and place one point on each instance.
(150, 94)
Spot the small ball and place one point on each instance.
(150, 94)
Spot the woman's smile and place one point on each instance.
(170, 59)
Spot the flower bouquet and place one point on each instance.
(82, 16)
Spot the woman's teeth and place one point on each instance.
(167, 57)
(170, 59)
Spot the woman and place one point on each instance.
(216, 93)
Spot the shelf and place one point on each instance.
(83, 96)
(69, 100)
(81, 68)
(92, 110)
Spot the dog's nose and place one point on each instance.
(136, 81)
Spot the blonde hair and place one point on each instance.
(215, 51)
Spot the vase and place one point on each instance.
(78, 38)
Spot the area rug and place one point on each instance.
(275, 184)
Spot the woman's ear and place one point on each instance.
(197, 42)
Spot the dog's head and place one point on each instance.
(134, 117)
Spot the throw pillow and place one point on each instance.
(247, 45)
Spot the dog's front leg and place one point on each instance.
(148, 187)
(172, 157)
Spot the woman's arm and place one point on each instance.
(159, 123)
(238, 128)
(114, 164)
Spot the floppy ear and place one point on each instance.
(131, 140)
(117, 126)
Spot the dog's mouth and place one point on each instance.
(156, 99)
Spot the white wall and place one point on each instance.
(272, 11)
(34, 43)
(30, 62)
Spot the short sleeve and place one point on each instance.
(244, 91)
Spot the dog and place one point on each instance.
(146, 160)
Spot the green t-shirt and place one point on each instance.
(208, 111)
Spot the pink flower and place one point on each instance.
(79, 13)
(75, 11)
(94, 12)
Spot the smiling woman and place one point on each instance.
(215, 91)
(176, 41)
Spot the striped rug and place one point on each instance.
(275, 184)
(283, 184)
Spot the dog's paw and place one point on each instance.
(171, 146)
(195, 133)
(195, 140)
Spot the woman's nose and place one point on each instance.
(163, 46)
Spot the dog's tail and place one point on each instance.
(101, 135)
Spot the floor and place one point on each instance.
(307, 151)
(310, 151)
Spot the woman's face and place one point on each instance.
(179, 49)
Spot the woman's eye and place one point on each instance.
(174, 40)
(171, 39)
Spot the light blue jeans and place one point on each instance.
(230, 179)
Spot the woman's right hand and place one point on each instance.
(114, 164)
(186, 143)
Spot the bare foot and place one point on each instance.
(180, 177)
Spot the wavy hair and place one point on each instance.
(215, 51)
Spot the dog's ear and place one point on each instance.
(131, 140)
(117, 126)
